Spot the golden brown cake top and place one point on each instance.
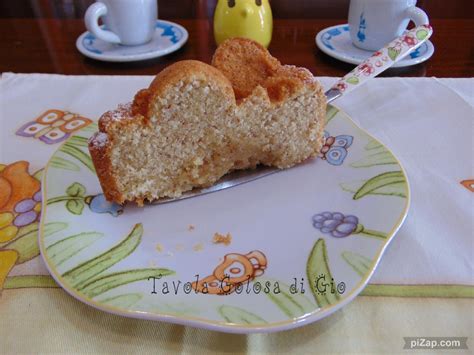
(239, 66)
(245, 63)
(189, 69)
(140, 108)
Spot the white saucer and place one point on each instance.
(336, 42)
(168, 38)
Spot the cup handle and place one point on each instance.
(91, 19)
(417, 15)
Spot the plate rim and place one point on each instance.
(347, 59)
(134, 57)
(223, 326)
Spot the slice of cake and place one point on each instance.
(197, 122)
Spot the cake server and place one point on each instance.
(380, 61)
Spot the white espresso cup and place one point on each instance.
(127, 22)
(374, 23)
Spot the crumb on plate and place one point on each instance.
(222, 239)
(198, 247)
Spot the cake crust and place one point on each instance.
(99, 150)
(246, 63)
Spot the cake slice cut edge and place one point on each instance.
(188, 129)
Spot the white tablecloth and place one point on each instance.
(427, 122)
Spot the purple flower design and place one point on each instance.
(339, 225)
(29, 210)
(335, 223)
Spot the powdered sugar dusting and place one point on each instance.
(121, 112)
(99, 139)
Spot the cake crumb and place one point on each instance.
(222, 239)
(198, 247)
(191, 227)
(159, 247)
(179, 247)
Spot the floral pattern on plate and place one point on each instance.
(300, 243)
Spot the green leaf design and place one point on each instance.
(382, 181)
(371, 233)
(292, 304)
(75, 206)
(123, 301)
(379, 158)
(64, 249)
(64, 198)
(61, 163)
(39, 174)
(359, 263)
(393, 53)
(21, 232)
(316, 267)
(396, 189)
(421, 34)
(374, 144)
(28, 228)
(107, 282)
(53, 227)
(76, 190)
(331, 113)
(93, 127)
(238, 315)
(78, 154)
(26, 244)
(78, 141)
(30, 281)
(354, 80)
(418, 291)
(82, 274)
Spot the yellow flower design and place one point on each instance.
(8, 259)
(7, 230)
(16, 184)
(20, 206)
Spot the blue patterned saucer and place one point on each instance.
(168, 37)
(336, 42)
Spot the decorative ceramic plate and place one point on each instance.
(272, 254)
(168, 37)
(336, 42)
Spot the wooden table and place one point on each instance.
(46, 44)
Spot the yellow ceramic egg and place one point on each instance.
(243, 18)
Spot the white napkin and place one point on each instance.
(429, 127)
